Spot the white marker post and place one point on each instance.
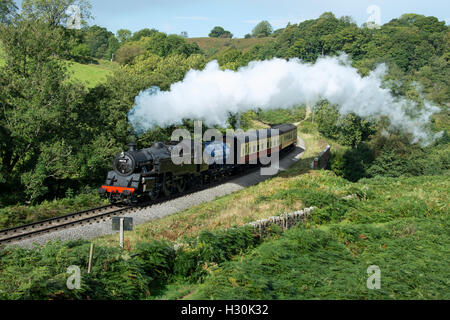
(91, 253)
(122, 224)
(121, 232)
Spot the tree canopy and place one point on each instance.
(219, 32)
(123, 35)
(262, 29)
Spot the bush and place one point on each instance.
(157, 259)
(81, 50)
(352, 164)
(42, 273)
(127, 53)
(278, 116)
(307, 127)
(13, 216)
(192, 261)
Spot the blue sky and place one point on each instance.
(198, 17)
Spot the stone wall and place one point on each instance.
(285, 221)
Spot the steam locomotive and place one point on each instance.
(150, 173)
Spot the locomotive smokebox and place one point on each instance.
(132, 146)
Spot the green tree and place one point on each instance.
(138, 35)
(262, 29)
(81, 50)
(164, 45)
(349, 130)
(101, 42)
(39, 108)
(123, 35)
(219, 32)
(128, 52)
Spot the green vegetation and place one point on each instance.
(384, 202)
(401, 225)
(91, 74)
(8, 10)
(211, 46)
(92, 114)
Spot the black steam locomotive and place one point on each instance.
(148, 174)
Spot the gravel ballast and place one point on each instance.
(164, 209)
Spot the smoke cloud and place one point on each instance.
(211, 94)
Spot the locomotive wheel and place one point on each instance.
(153, 195)
(167, 190)
(168, 187)
(198, 181)
(180, 185)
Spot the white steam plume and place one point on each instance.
(211, 94)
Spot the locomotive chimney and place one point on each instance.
(132, 146)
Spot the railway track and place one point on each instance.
(28, 231)
(8, 236)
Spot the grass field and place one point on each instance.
(89, 74)
(92, 74)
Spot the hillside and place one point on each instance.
(400, 225)
(216, 45)
(381, 221)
